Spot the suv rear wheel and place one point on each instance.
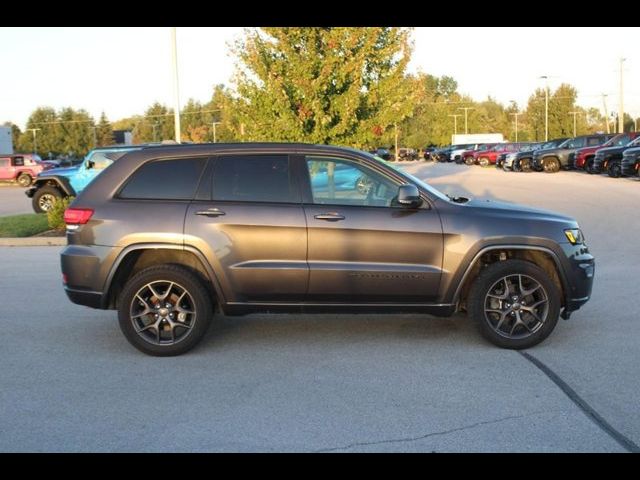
(44, 199)
(164, 310)
(514, 304)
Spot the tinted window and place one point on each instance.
(18, 161)
(165, 179)
(253, 178)
(341, 182)
(591, 141)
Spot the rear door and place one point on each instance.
(362, 247)
(249, 222)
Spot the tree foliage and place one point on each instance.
(104, 132)
(323, 85)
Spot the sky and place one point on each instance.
(123, 70)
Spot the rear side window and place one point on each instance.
(18, 161)
(175, 179)
(253, 178)
(591, 141)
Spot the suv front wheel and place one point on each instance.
(44, 199)
(164, 310)
(514, 303)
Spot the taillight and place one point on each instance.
(77, 216)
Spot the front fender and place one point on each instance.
(59, 181)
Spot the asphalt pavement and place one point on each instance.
(13, 200)
(337, 383)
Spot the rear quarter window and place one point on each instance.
(174, 179)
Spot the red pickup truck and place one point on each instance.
(21, 168)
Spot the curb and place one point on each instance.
(34, 242)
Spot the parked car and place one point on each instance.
(583, 157)
(171, 234)
(506, 160)
(383, 153)
(427, 152)
(524, 159)
(490, 156)
(630, 162)
(455, 155)
(408, 154)
(607, 159)
(52, 185)
(551, 160)
(21, 168)
(470, 157)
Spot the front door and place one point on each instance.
(363, 247)
(250, 225)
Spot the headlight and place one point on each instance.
(574, 235)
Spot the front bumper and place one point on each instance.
(579, 272)
(30, 192)
(629, 167)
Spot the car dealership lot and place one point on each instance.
(71, 382)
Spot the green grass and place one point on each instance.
(24, 225)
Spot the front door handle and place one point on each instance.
(211, 212)
(330, 217)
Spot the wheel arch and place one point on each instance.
(59, 182)
(541, 256)
(137, 257)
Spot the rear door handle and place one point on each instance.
(211, 212)
(330, 217)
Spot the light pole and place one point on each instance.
(174, 58)
(606, 114)
(546, 107)
(575, 115)
(154, 126)
(621, 113)
(395, 125)
(35, 143)
(214, 130)
(455, 122)
(515, 115)
(466, 109)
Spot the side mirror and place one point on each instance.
(409, 196)
(90, 164)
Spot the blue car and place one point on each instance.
(57, 183)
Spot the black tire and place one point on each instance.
(588, 167)
(525, 165)
(24, 180)
(198, 300)
(44, 198)
(484, 284)
(551, 165)
(468, 161)
(483, 162)
(614, 170)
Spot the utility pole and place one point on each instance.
(154, 126)
(575, 115)
(546, 107)
(214, 130)
(455, 122)
(396, 152)
(621, 112)
(466, 109)
(35, 143)
(174, 58)
(515, 115)
(606, 113)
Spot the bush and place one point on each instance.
(55, 216)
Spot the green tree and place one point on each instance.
(156, 125)
(104, 132)
(74, 132)
(43, 119)
(323, 85)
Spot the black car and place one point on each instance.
(552, 160)
(169, 236)
(608, 160)
(383, 153)
(629, 167)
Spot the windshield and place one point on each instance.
(412, 179)
(619, 140)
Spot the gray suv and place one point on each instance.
(167, 235)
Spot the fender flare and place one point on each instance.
(61, 182)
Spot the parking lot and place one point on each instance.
(13, 200)
(340, 383)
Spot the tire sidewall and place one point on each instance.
(487, 279)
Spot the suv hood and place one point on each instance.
(517, 211)
(606, 150)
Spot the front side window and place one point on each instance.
(18, 161)
(342, 182)
(253, 178)
(175, 179)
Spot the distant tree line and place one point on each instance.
(343, 86)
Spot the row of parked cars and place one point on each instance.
(617, 155)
